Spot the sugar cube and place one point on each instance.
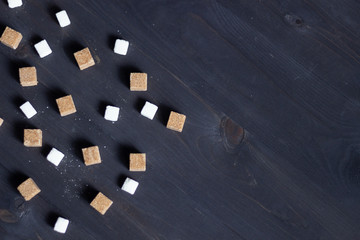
(112, 113)
(28, 110)
(1, 121)
(43, 48)
(130, 186)
(14, 3)
(55, 156)
(137, 162)
(61, 225)
(176, 121)
(149, 110)
(138, 82)
(101, 203)
(28, 76)
(32, 137)
(91, 155)
(28, 189)
(66, 105)
(84, 59)
(121, 46)
(11, 38)
(63, 18)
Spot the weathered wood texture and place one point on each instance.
(271, 144)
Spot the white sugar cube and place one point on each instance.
(112, 113)
(63, 18)
(130, 186)
(43, 48)
(61, 225)
(121, 46)
(14, 3)
(28, 110)
(55, 156)
(149, 110)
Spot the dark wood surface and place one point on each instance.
(270, 148)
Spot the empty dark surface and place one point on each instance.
(271, 144)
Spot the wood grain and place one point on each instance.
(270, 148)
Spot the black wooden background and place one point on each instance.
(270, 148)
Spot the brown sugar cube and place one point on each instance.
(32, 137)
(84, 59)
(137, 162)
(176, 121)
(66, 105)
(28, 76)
(11, 38)
(138, 82)
(28, 189)
(101, 203)
(91, 155)
(1, 121)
